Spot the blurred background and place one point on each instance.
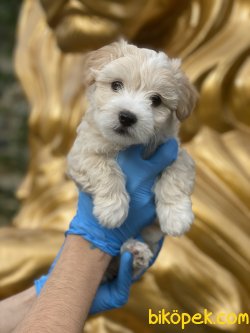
(13, 116)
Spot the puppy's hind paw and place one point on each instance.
(141, 254)
(111, 212)
(175, 219)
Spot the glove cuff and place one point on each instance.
(39, 283)
(102, 245)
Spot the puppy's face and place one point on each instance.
(134, 92)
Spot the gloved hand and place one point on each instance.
(115, 294)
(140, 177)
(112, 294)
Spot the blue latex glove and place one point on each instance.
(112, 294)
(115, 294)
(140, 177)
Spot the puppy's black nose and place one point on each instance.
(127, 118)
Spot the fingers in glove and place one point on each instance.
(124, 278)
(164, 156)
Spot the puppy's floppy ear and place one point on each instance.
(96, 60)
(187, 93)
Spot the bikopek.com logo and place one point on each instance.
(164, 317)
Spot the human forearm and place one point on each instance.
(65, 299)
(68, 293)
(14, 309)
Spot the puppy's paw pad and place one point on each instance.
(141, 253)
(175, 219)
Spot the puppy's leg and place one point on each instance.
(173, 191)
(111, 201)
(141, 254)
(102, 178)
(112, 270)
(151, 235)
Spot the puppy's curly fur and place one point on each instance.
(136, 96)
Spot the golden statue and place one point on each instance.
(209, 267)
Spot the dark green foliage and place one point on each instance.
(13, 116)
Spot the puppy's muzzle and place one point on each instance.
(127, 118)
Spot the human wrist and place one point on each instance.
(83, 248)
(70, 288)
(94, 253)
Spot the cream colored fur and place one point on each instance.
(92, 159)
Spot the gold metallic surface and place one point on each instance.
(210, 266)
(25, 253)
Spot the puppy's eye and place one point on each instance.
(156, 100)
(116, 85)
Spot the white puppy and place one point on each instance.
(136, 96)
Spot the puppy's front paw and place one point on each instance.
(141, 254)
(175, 219)
(111, 211)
